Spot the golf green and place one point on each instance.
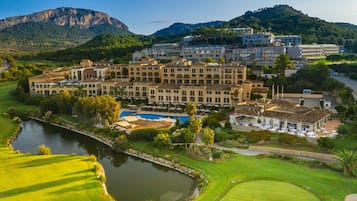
(263, 190)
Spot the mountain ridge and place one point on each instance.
(180, 28)
(65, 16)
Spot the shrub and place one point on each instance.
(341, 109)
(16, 119)
(145, 134)
(256, 136)
(211, 122)
(342, 129)
(44, 150)
(227, 125)
(162, 140)
(47, 115)
(177, 136)
(288, 139)
(225, 134)
(120, 144)
(326, 143)
(217, 153)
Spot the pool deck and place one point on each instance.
(182, 114)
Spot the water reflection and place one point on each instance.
(128, 178)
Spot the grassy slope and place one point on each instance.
(268, 190)
(326, 184)
(32, 177)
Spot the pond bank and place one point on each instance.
(138, 154)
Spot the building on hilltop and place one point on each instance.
(312, 51)
(257, 55)
(260, 39)
(161, 52)
(289, 40)
(201, 53)
(240, 31)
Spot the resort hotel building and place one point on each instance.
(175, 83)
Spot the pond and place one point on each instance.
(128, 178)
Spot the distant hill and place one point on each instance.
(56, 28)
(347, 25)
(101, 47)
(183, 29)
(283, 19)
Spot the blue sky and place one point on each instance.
(147, 16)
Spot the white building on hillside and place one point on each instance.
(312, 51)
(259, 39)
(163, 51)
(200, 53)
(240, 30)
(289, 40)
(258, 55)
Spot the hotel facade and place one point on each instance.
(178, 82)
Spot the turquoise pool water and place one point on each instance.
(183, 119)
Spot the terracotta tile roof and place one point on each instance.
(282, 110)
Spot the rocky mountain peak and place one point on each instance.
(71, 17)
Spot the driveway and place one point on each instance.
(348, 82)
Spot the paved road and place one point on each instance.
(4, 66)
(245, 152)
(348, 82)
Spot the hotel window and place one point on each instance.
(192, 93)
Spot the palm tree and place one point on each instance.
(191, 109)
(348, 161)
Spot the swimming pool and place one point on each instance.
(183, 119)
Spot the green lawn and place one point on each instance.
(33, 177)
(263, 190)
(324, 183)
